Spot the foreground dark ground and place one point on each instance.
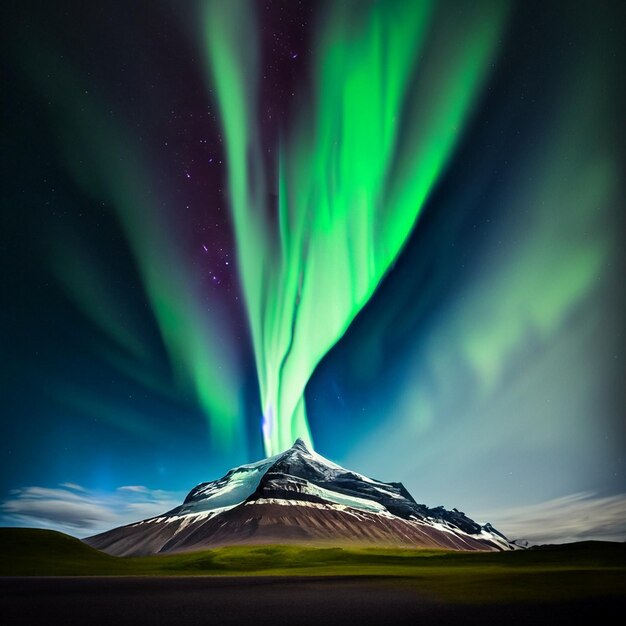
(268, 600)
(47, 577)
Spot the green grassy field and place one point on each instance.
(574, 571)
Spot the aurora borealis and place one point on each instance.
(349, 187)
(390, 228)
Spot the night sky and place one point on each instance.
(393, 229)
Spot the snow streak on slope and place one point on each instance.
(232, 489)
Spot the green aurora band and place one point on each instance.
(355, 169)
(204, 367)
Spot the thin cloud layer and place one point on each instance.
(81, 512)
(576, 517)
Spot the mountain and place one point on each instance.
(299, 497)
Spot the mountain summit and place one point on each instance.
(298, 496)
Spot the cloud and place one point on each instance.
(81, 512)
(72, 486)
(134, 488)
(576, 517)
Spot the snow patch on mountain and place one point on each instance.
(229, 491)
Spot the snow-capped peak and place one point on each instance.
(300, 495)
(301, 476)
